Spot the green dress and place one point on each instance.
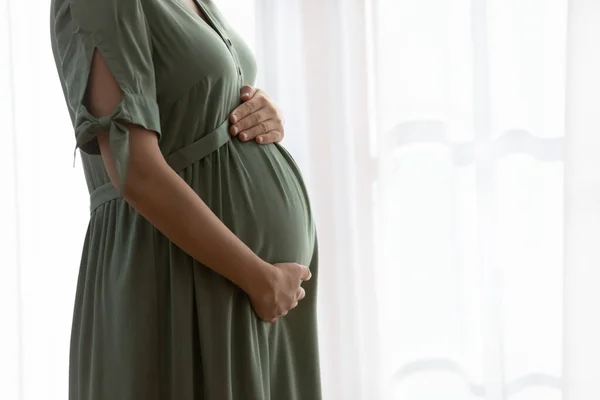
(150, 322)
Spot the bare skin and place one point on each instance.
(256, 118)
(194, 6)
(154, 190)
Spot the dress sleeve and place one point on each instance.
(119, 31)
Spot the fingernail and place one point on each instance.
(243, 136)
(234, 118)
(234, 130)
(260, 139)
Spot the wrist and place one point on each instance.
(258, 277)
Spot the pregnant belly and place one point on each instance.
(257, 191)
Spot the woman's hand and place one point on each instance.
(257, 118)
(277, 295)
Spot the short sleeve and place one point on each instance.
(119, 31)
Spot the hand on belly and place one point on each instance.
(278, 291)
(257, 118)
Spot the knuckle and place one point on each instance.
(248, 122)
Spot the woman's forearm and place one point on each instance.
(167, 201)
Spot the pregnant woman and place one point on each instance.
(198, 273)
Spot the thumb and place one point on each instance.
(247, 92)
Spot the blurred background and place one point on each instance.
(452, 152)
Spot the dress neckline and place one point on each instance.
(202, 13)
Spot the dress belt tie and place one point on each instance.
(178, 160)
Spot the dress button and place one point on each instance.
(228, 41)
(239, 71)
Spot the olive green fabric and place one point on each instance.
(150, 322)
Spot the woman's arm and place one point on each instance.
(172, 206)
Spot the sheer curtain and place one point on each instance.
(451, 151)
(459, 217)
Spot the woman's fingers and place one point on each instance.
(261, 129)
(283, 293)
(254, 120)
(270, 137)
(301, 294)
(249, 121)
(305, 274)
(248, 108)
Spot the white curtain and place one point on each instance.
(451, 150)
(43, 210)
(459, 217)
(582, 199)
